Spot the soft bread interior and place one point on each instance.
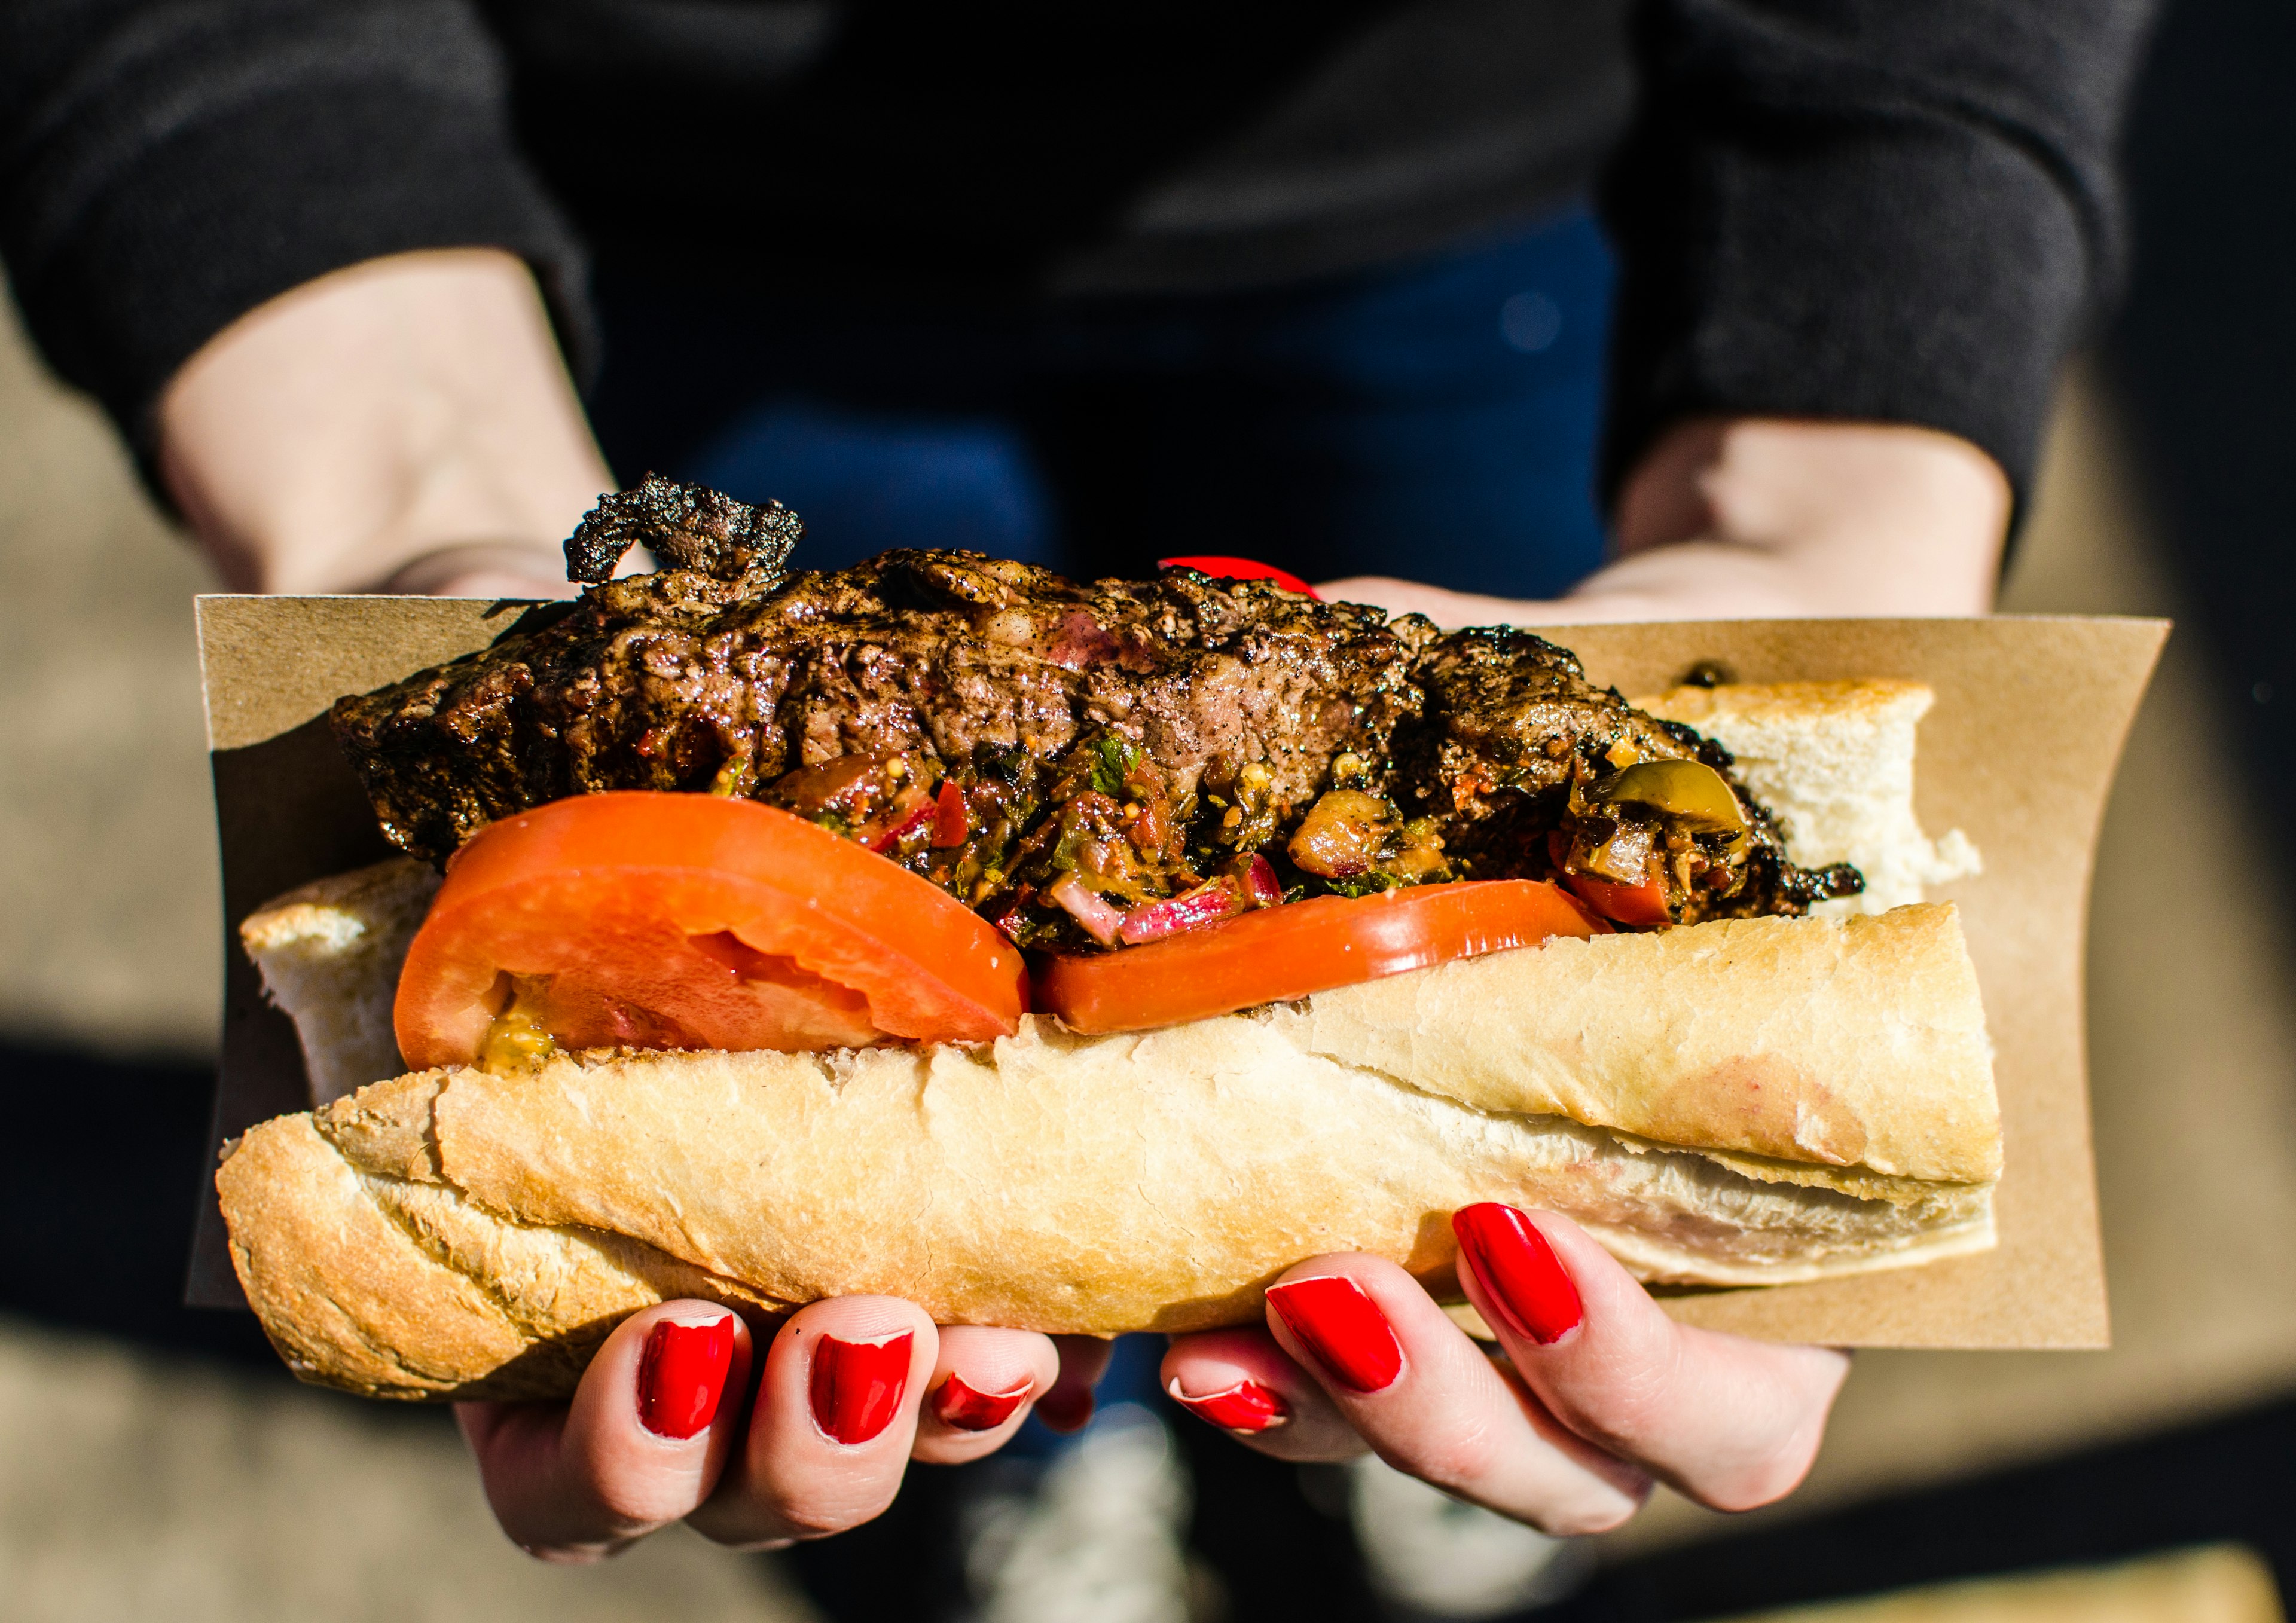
(330, 955)
(1835, 761)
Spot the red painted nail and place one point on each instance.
(858, 1385)
(1240, 569)
(681, 1376)
(959, 1405)
(1065, 1408)
(1342, 1328)
(1245, 1406)
(1518, 1270)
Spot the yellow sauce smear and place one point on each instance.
(517, 1041)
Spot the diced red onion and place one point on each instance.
(1102, 921)
(1204, 905)
(1259, 887)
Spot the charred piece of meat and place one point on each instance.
(1086, 763)
(687, 526)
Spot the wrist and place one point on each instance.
(1765, 515)
(480, 568)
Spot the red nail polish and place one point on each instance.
(1245, 1406)
(681, 1376)
(858, 1385)
(959, 1405)
(1066, 1408)
(1518, 1270)
(1343, 1327)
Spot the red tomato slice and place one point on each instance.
(686, 921)
(1240, 569)
(1290, 951)
(1640, 905)
(1643, 905)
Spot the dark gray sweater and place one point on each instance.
(1869, 208)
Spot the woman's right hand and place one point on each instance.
(404, 425)
(665, 1427)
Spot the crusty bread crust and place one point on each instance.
(1763, 1035)
(457, 1233)
(398, 1288)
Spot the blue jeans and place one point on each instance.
(1436, 421)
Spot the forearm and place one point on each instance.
(1863, 211)
(406, 423)
(1761, 516)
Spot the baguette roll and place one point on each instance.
(1745, 1103)
(462, 1233)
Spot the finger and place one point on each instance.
(1430, 1403)
(832, 1426)
(1732, 1423)
(1441, 604)
(644, 1440)
(1241, 1382)
(982, 1384)
(1084, 1359)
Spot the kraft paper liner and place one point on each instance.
(2019, 752)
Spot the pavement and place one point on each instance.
(136, 1481)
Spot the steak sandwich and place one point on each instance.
(1077, 957)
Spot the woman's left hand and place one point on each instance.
(1754, 518)
(1599, 1393)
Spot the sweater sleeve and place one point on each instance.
(168, 165)
(1865, 209)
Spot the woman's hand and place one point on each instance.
(1599, 1393)
(664, 1426)
(1758, 518)
(404, 425)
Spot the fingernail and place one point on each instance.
(1518, 1270)
(1245, 1406)
(858, 1385)
(959, 1405)
(681, 1376)
(1066, 1408)
(1343, 1328)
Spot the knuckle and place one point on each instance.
(1583, 1520)
(800, 1517)
(1627, 1400)
(576, 1554)
(629, 1509)
(1764, 1477)
(1625, 1415)
(1459, 1458)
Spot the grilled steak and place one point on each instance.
(1013, 735)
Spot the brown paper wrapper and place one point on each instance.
(2019, 753)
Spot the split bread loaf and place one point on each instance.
(1745, 1102)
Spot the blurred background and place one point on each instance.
(158, 1462)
